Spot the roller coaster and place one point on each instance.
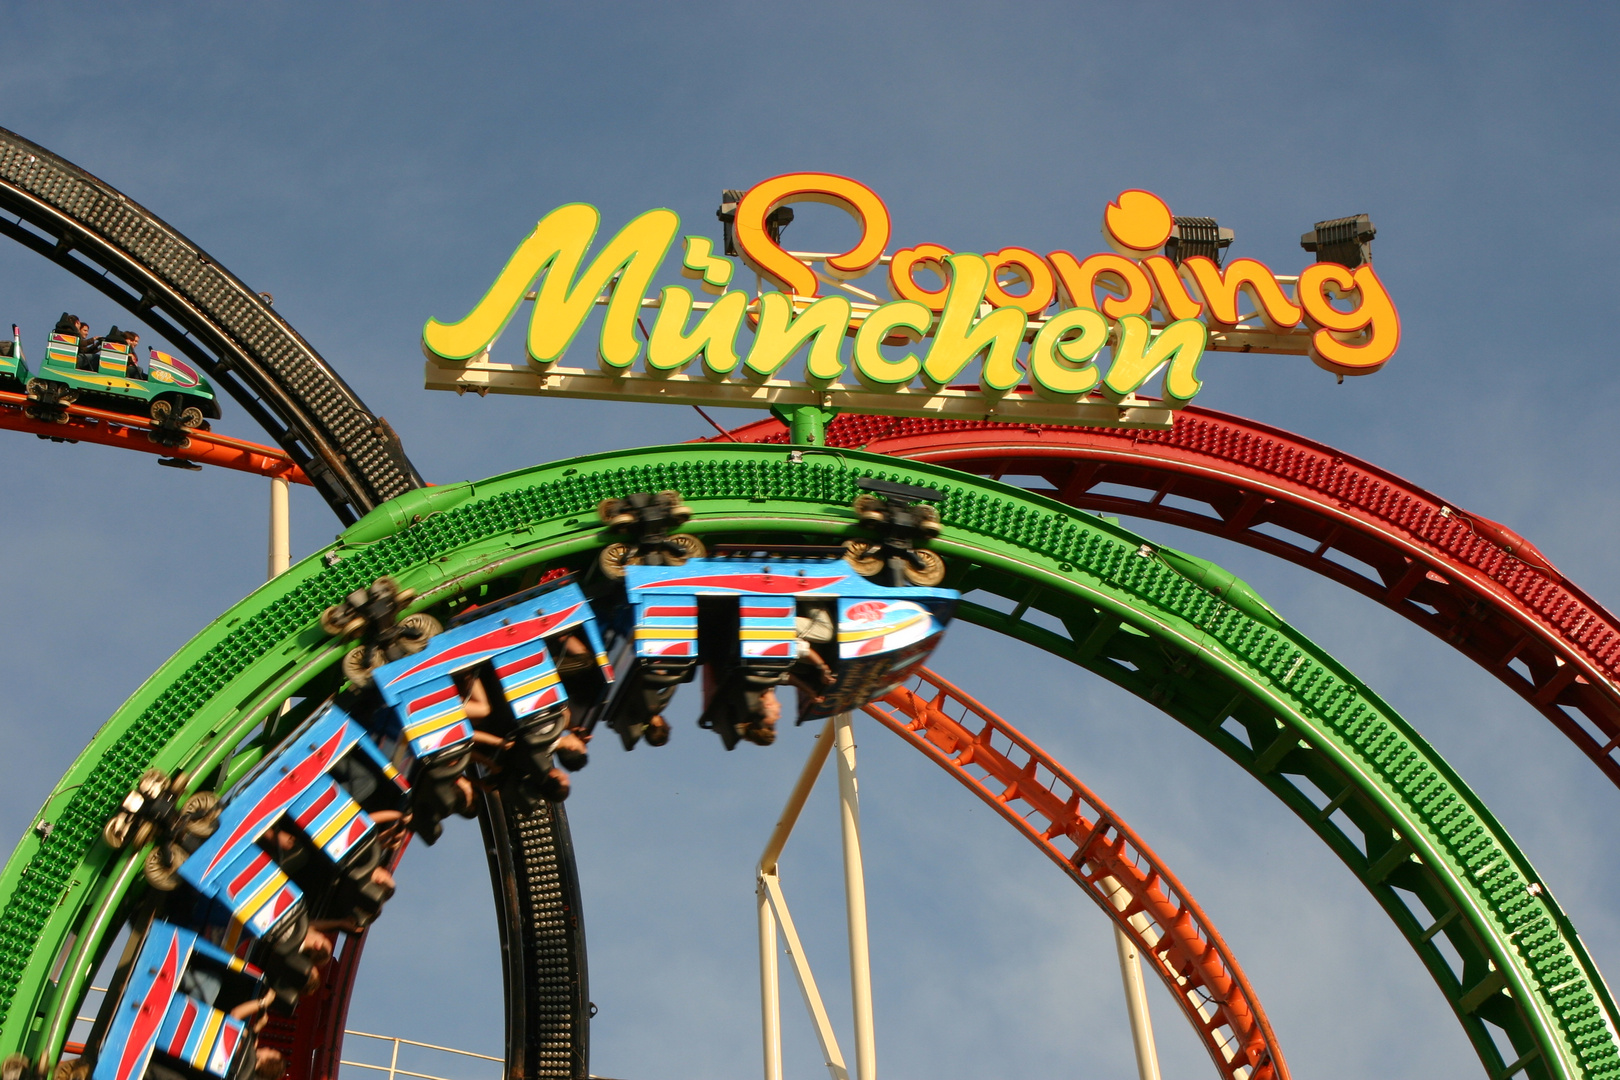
(1030, 563)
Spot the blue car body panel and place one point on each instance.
(425, 710)
(883, 633)
(155, 1014)
(251, 893)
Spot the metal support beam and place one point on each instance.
(807, 980)
(280, 531)
(1136, 1004)
(770, 996)
(772, 906)
(796, 799)
(860, 960)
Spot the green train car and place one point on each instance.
(169, 390)
(13, 368)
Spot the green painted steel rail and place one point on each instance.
(1212, 656)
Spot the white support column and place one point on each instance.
(280, 534)
(1136, 1004)
(770, 996)
(807, 980)
(767, 890)
(860, 961)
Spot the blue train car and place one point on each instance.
(514, 678)
(176, 1007)
(297, 841)
(755, 617)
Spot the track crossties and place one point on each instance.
(1411, 832)
(59, 211)
(1483, 589)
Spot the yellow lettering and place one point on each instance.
(670, 348)
(871, 366)
(556, 248)
(780, 335)
(1063, 367)
(961, 336)
(702, 264)
(1138, 354)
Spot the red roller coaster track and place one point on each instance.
(1476, 584)
(1469, 580)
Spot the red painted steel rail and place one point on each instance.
(1077, 830)
(1475, 584)
(130, 433)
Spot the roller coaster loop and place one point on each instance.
(1032, 568)
(1475, 584)
(129, 432)
(1093, 845)
(60, 212)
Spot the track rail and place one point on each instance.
(1093, 845)
(353, 458)
(1080, 587)
(131, 433)
(1469, 581)
(1061, 816)
(59, 211)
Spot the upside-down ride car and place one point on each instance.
(515, 678)
(844, 625)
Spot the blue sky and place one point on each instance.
(372, 165)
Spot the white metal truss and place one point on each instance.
(776, 931)
(774, 915)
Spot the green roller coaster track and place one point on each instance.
(1209, 654)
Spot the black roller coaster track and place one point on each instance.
(57, 210)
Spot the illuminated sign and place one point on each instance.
(1009, 334)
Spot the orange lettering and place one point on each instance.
(1078, 281)
(1219, 291)
(1028, 268)
(767, 257)
(1171, 295)
(904, 264)
(1355, 342)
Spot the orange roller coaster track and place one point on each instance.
(1055, 812)
(133, 433)
(1075, 829)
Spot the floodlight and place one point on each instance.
(1198, 236)
(1346, 241)
(729, 198)
(775, 221)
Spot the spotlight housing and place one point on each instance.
(1198, 236)
(1346, 241)
(775, 221)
